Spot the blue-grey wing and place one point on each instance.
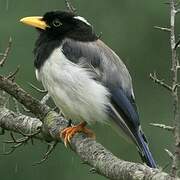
(108, 69)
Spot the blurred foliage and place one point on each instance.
(127, 27)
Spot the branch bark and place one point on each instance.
(90, 152)
(176, 112)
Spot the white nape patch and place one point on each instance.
(82, 19)
(73, 89)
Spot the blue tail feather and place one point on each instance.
(144, 150)
(124, 113)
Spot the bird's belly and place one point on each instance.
(73, 90)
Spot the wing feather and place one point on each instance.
(109, 70)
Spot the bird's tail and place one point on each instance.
(144, 149)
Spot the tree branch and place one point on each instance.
(175, 64)
(38, 109)
(91, 152)
(175, 85)
(6, 53)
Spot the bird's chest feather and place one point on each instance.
(73, 89)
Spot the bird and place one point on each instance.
(86, 79)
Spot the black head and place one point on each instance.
(62, 24)
(55, 26)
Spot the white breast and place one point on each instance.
(73, 89)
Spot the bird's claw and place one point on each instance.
(69, 132)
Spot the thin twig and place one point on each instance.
(19, 142)
(12, 75)
(37, 89)
(25, 109)
(177, 3)
(177, 44)
(13, 148)
(170, 154)
(6, 53)
(162, 28)
(177, 11)
(29, 135)
(163, 126)
(70, 7)
(100, 35)
(160, 82)
(51, 147)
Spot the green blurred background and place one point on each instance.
(127, 27)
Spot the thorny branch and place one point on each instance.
(173, 87)
(176, 111)
(90, 152)
(5, 54)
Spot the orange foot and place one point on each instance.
(69, 132)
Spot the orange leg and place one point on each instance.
(69, 132)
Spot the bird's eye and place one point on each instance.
(56, 23)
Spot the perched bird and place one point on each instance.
(86, 79)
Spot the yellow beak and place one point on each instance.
(35, 21)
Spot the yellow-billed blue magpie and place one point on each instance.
(86, 79)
